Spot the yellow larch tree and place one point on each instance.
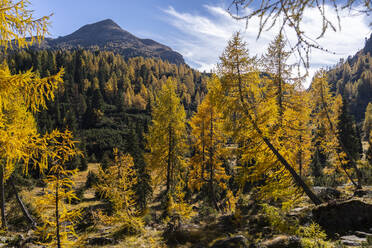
(116, 183)
(327, 109)
(22, 93)
(249, 101)
(167, 131)
(209, 147)
(166, 145)
(58, 220)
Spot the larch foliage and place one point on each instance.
(166, 143)
(57, 216)
(21, 94)
(268, 137)
(116, 183)
(209, 146)
(166, 136)
(327, 109)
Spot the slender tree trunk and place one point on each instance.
(25, 212)
(169, 157)
(57, 213)
(203, 150)
(297, 179)
(300, 156)
(2, 197)
(211, 164)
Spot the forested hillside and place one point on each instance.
(352, 78)
(101, 149)
(106, 101)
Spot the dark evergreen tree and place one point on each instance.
(347, 132)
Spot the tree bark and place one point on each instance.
(211, 165)
(2, 197)
(297, 179)
(25, 212)
(57, 213)
(169, 157)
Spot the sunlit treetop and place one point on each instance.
(17, 23)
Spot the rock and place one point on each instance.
(352, 240)
(363, 193)
(327, 193)
(101, 241)
(360, 234)
(342, 217)
(238, 241)
(282, 241)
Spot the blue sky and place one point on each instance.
(198, 29)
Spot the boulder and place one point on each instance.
(282, 241)
(352, 240)
(238, 241)
(101, 241)
(363, 193)
(327, 193)
(342, 217)
(360, 234)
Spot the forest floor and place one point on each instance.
(249, 228)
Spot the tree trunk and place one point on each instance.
(2, 197)
(169, 157)
(297, 179)
(203, 150)
(25, 212)
(57, 213)
(211, 165)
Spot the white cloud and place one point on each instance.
(205, 36)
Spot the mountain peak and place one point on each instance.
(105, 24)
(108, 35)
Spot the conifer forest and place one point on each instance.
(110, 140)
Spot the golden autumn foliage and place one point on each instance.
(58, 228)
(272, 135)
(327, 109)
(210, 152)
(116, 184)
(21, 94)
(166, 136)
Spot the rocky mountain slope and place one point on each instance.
(107, 35)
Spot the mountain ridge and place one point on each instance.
(108, 35)
(352, 78)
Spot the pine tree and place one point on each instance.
(347, 131)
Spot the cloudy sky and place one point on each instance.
(200, 29)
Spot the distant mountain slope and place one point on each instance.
(353, 80)
(107, 35)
